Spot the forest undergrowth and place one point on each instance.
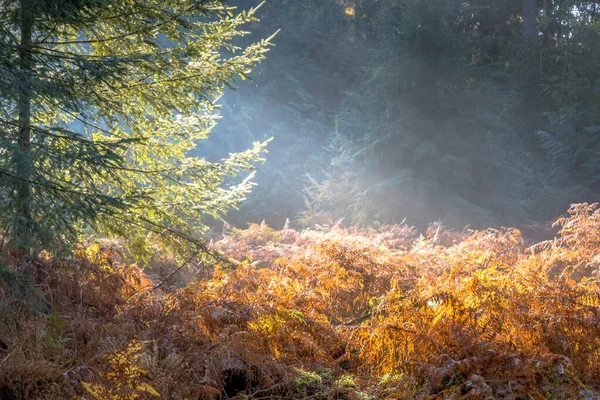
(328, 313)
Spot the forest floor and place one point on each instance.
(328, 313)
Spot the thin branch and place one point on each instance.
(186, 262)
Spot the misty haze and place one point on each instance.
(420, 111)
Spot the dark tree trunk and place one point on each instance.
(23, 223)
(358, 15)
(363, 14)
(530, 18)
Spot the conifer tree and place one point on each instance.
(101, 103)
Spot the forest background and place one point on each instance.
(383, 110)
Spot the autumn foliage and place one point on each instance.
(321, 314)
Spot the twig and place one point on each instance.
(186, 262)
(159, 284)
(354, 321)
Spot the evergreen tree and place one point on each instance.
(102, 102)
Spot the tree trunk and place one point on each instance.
(529, 18)
(23, 224)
